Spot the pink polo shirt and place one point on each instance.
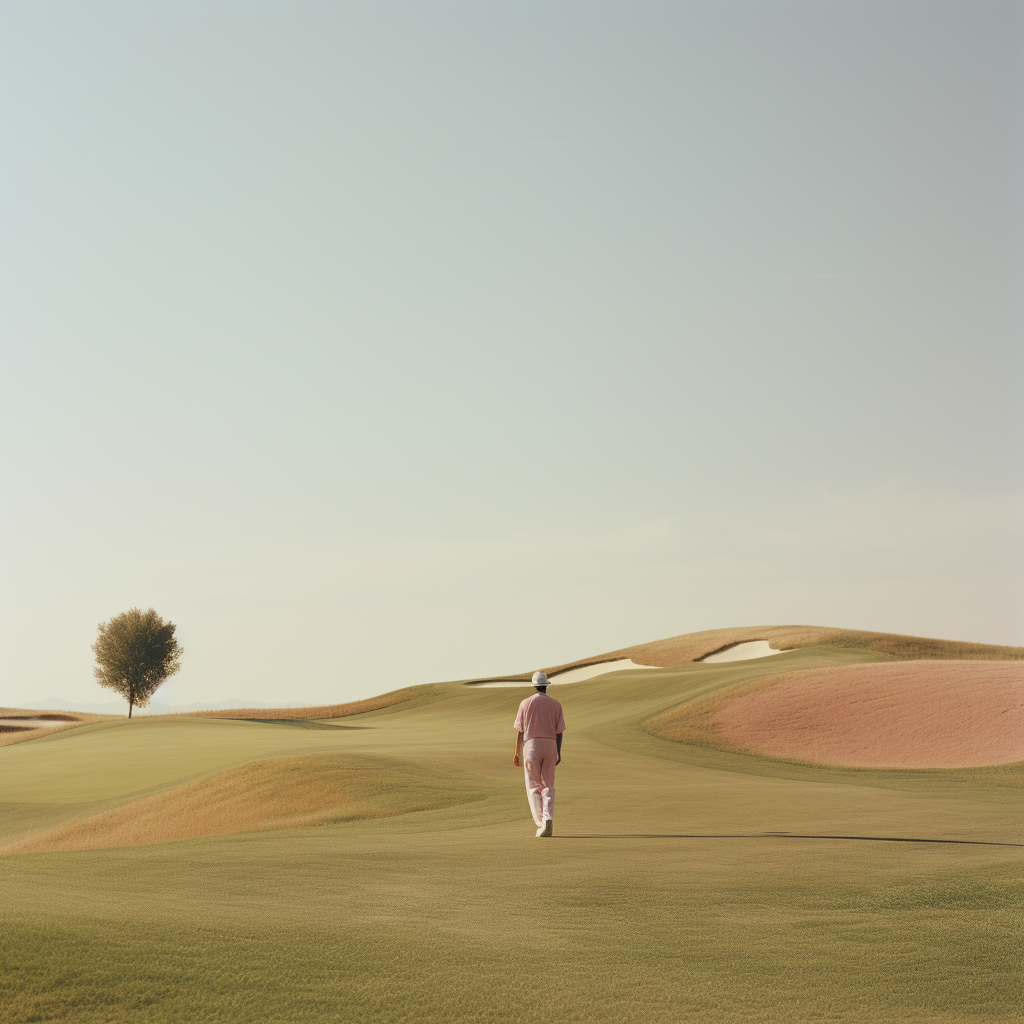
(540, 717)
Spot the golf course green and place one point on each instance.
(382, 867)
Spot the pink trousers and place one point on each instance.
(539, 757)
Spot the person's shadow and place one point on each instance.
(782, 835)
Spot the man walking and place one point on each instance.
(539, 748)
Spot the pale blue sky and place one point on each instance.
(381, 343)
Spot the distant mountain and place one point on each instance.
(120, 707)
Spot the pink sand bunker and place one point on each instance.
(909, 714)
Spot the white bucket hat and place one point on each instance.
(540, 679)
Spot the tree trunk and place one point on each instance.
(129, 709)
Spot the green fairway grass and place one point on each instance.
(684, 883)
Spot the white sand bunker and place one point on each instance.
(577, 675)
(34, 723)
(740, 652)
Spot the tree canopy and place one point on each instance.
(135, 652)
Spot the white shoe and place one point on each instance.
(540, 831)
(547, 829)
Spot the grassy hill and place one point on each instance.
(678, 650)
(380, 865)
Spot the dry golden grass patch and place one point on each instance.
(279, 793)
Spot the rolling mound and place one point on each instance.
(694, 646)
(678, 650)
(321, 711)
(324, 711)
(918, 714)
(280, 793)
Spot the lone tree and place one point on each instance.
(135, 652)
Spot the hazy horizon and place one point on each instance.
(385, 344)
